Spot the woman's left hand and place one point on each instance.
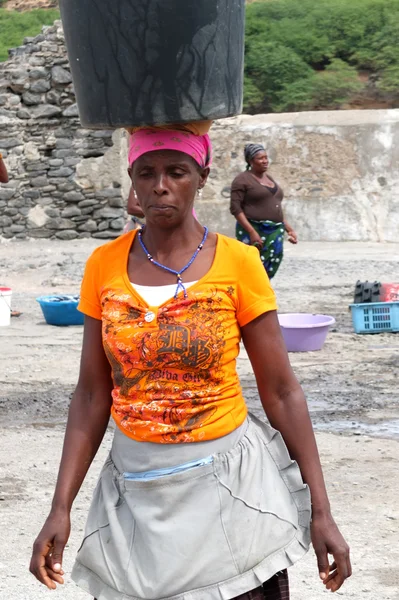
(327, 539)
(292, 236)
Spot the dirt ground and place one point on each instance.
(351, 386)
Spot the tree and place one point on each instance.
(305, 54)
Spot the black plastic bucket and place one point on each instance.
(138, 62)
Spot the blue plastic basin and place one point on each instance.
(60, 312)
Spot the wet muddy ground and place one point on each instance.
(351, 386)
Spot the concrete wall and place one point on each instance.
(339, 171)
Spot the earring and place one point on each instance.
(199, 192)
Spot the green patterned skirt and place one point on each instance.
(272, 235)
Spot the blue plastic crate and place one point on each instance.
(61, 312)
(375, 317)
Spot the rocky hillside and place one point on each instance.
(22, 5)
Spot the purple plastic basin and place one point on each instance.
(304, 332)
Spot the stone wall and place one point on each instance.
(65, 182)
(339, 169)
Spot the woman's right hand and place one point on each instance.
(46, 561)
(256, 240)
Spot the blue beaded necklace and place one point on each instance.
(180, 284)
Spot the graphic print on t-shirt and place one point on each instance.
(167, 373)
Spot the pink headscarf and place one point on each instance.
(199, 147)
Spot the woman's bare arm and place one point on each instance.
(285, 406)
(3, 171)
(88, 418)
(292, 236)
(133, 206)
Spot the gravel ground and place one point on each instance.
(351, 388)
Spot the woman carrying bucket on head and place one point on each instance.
(135, 213)
(183, 507)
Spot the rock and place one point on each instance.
(17, 228)
(40, 181)
(7, 193)
(88, 226)
(10, 211)
(63, 143)
(71, 162)
(15, 202)
(40, 233)
(40, 86)
(71, 211)
(63, 153)
(14, 101)
(45, 111)
(60, 76)
(53, 97)
(103, 225)
(106, 133)
(71, 111)
(86, 203)
(51, 141)
(45, 47)
(116, 202)
(31, 194)
(84, 235)
(24, 211)
(7, 144)
(5, 221)
(73, 197)
(105, 235)
(31, 99)
(37, 217)
(46, 201)
(117, 224)
(108, 213)
(56, 162)
(53, 213)
(19, 81)
(87, 211)
(59, 223)
(67, 234)
(37, 61)
(38, 73)
(89, 153)
(62, 172)
(38, 167)
(23, 113)
(31, 151)
(66, 187)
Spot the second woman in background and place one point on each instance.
(256, 203)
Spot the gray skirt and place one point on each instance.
(212, 531)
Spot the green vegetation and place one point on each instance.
(15, 26)
(304, 55)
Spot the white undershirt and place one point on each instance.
(155, 295)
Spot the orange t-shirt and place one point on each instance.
(174, 365)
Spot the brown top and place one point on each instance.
(255, 200)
